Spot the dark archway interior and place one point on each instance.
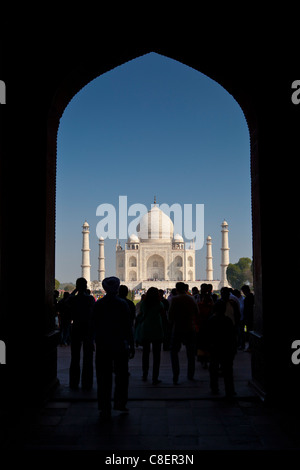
(28, 172)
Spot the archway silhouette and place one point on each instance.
(254, 70)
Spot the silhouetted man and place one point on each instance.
(222, 345)
(232, 306)
(248, 310)
(80, 306)
(64, 320)
(123, 292)
(165, 322)
(182, 316)
(114, 346)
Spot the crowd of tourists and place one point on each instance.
(211, 328)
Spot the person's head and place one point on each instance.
(152, 296)
(161, 293)
(180, 287)
(195, 290)
(245, 289)
(225, 293)
(111, 285)
(203, 288)
(237, 293)
(81, 284)
(123, 291)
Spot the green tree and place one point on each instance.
(57, 284)
(67, 286)
(240, 273)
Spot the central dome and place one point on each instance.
(155, 225)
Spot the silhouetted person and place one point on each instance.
(137, 324)
(248, 309)
(210, 289)
(138, 305)
(187, 289)
(222, 347)
(123, 292)
(172, 294)
(232, 307)
(196, 294)
(241, 328)
(203, 289)
(205, 307)
(55, 312)
(64, 320)
(151, 332)
(80, 305)
(182, 316)
(165, 322)
(114, 346)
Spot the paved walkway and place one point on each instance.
(164, 417)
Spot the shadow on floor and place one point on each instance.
(164, 417)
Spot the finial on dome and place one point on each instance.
(154, 199)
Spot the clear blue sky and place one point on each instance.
(152, 126)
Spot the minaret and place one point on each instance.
(224, 254)
(101, 270)
(209, 260)
(86, 267)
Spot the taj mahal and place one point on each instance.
(157, 257)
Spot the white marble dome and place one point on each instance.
(133, 239)
(155, 225)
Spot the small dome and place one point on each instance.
(133, 239)
(178, 238)
(85, 224)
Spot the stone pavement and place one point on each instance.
(164, 417)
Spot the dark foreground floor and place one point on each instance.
(164, 417)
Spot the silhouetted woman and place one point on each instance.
(151, 332)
